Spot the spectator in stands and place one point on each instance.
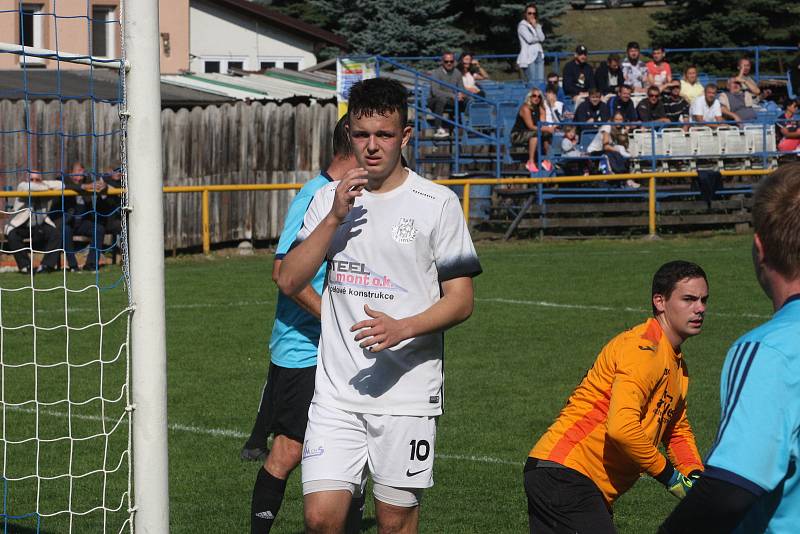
(553, 80)
(676, 108)
(554, 110)
(527, 129)
(794, 73)
(788, 128)
(707, 108)
(442, 97)
(749, 85)
(593, 109)
(578, 75)
(737, 104)
(690, 87)
(634, 69)
(611, 141)
(651, 109)
(471, 72)
(608, 77)
(570, 150)
(32, 220)
(531, 53)
(659, 73)
(93, 214)
(623, 103)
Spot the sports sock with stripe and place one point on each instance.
(267, 498)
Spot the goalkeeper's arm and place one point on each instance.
(714, 506)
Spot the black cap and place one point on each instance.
(633, 44)
(581, 50)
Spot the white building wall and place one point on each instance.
(216, 34)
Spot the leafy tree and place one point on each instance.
(722, 23)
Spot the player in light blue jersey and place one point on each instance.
(752, 482)
(283, 411)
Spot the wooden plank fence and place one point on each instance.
(241, 143)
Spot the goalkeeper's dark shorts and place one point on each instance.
(564, 501)
(286, 398)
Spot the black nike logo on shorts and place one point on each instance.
(409, 473)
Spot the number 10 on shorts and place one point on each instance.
(420, 450)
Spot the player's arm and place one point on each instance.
(302, 262)
(681, 445)
(308, 299)
(382, 331)
(636, 377)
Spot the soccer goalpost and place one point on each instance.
(82, 354)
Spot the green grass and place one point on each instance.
(608, 29)
(543, 311)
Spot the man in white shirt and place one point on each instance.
(400, 267)
(708, 108)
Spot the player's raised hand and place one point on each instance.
(380, 332)
(347, 191)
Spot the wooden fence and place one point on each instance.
(241, 143)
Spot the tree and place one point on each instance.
(722, 23)
(491, 25)
(388, 27)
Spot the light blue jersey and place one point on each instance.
(758, 440)
(295, 334)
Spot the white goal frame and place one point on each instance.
(142, 156)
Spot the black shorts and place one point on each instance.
(287, 396)
(564, 501)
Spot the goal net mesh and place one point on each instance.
(64, 327)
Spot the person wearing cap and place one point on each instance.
(578, 75)
(634, 69)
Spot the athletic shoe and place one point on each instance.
(44, 269)
(547, 165)
(632, 184)
(89, 268)
(25, 270)
(253, 455)
(531, 166)
(441, 133)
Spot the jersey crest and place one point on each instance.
(404, 232)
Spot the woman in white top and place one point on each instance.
(531, 53)
(471, 72)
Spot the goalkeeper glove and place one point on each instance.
(677, 483)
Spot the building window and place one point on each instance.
(103, 31)
(284, 62)
(236, 65)
(31, 31)
(222, 63)
(211, 66)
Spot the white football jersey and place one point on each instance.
(391, 252)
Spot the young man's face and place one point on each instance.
(625, 94)
(658, 55)
(633, 54)
(594, 98)
(685, 309)
(377, 142)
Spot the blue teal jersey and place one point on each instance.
(758, 440)
(295, 334)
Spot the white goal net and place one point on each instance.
(66, 302)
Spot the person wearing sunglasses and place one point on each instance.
(531, 54)
(528, 128)
(442, 97)
(651, 109)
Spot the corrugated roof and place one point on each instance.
(274, 84)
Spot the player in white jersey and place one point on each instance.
(400, 267)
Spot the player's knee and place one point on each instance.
(397, 508)
(319, 522)
(283, 457)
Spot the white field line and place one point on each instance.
(561, 305)
(235, 434)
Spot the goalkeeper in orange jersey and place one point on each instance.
(632, 398)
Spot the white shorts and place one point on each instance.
(397, 449)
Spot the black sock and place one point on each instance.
(267, 497)
(355, 513)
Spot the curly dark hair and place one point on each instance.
(378, 95)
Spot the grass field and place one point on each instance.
(608, 29)
(543, 311)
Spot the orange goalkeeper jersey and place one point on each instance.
(632, 398)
